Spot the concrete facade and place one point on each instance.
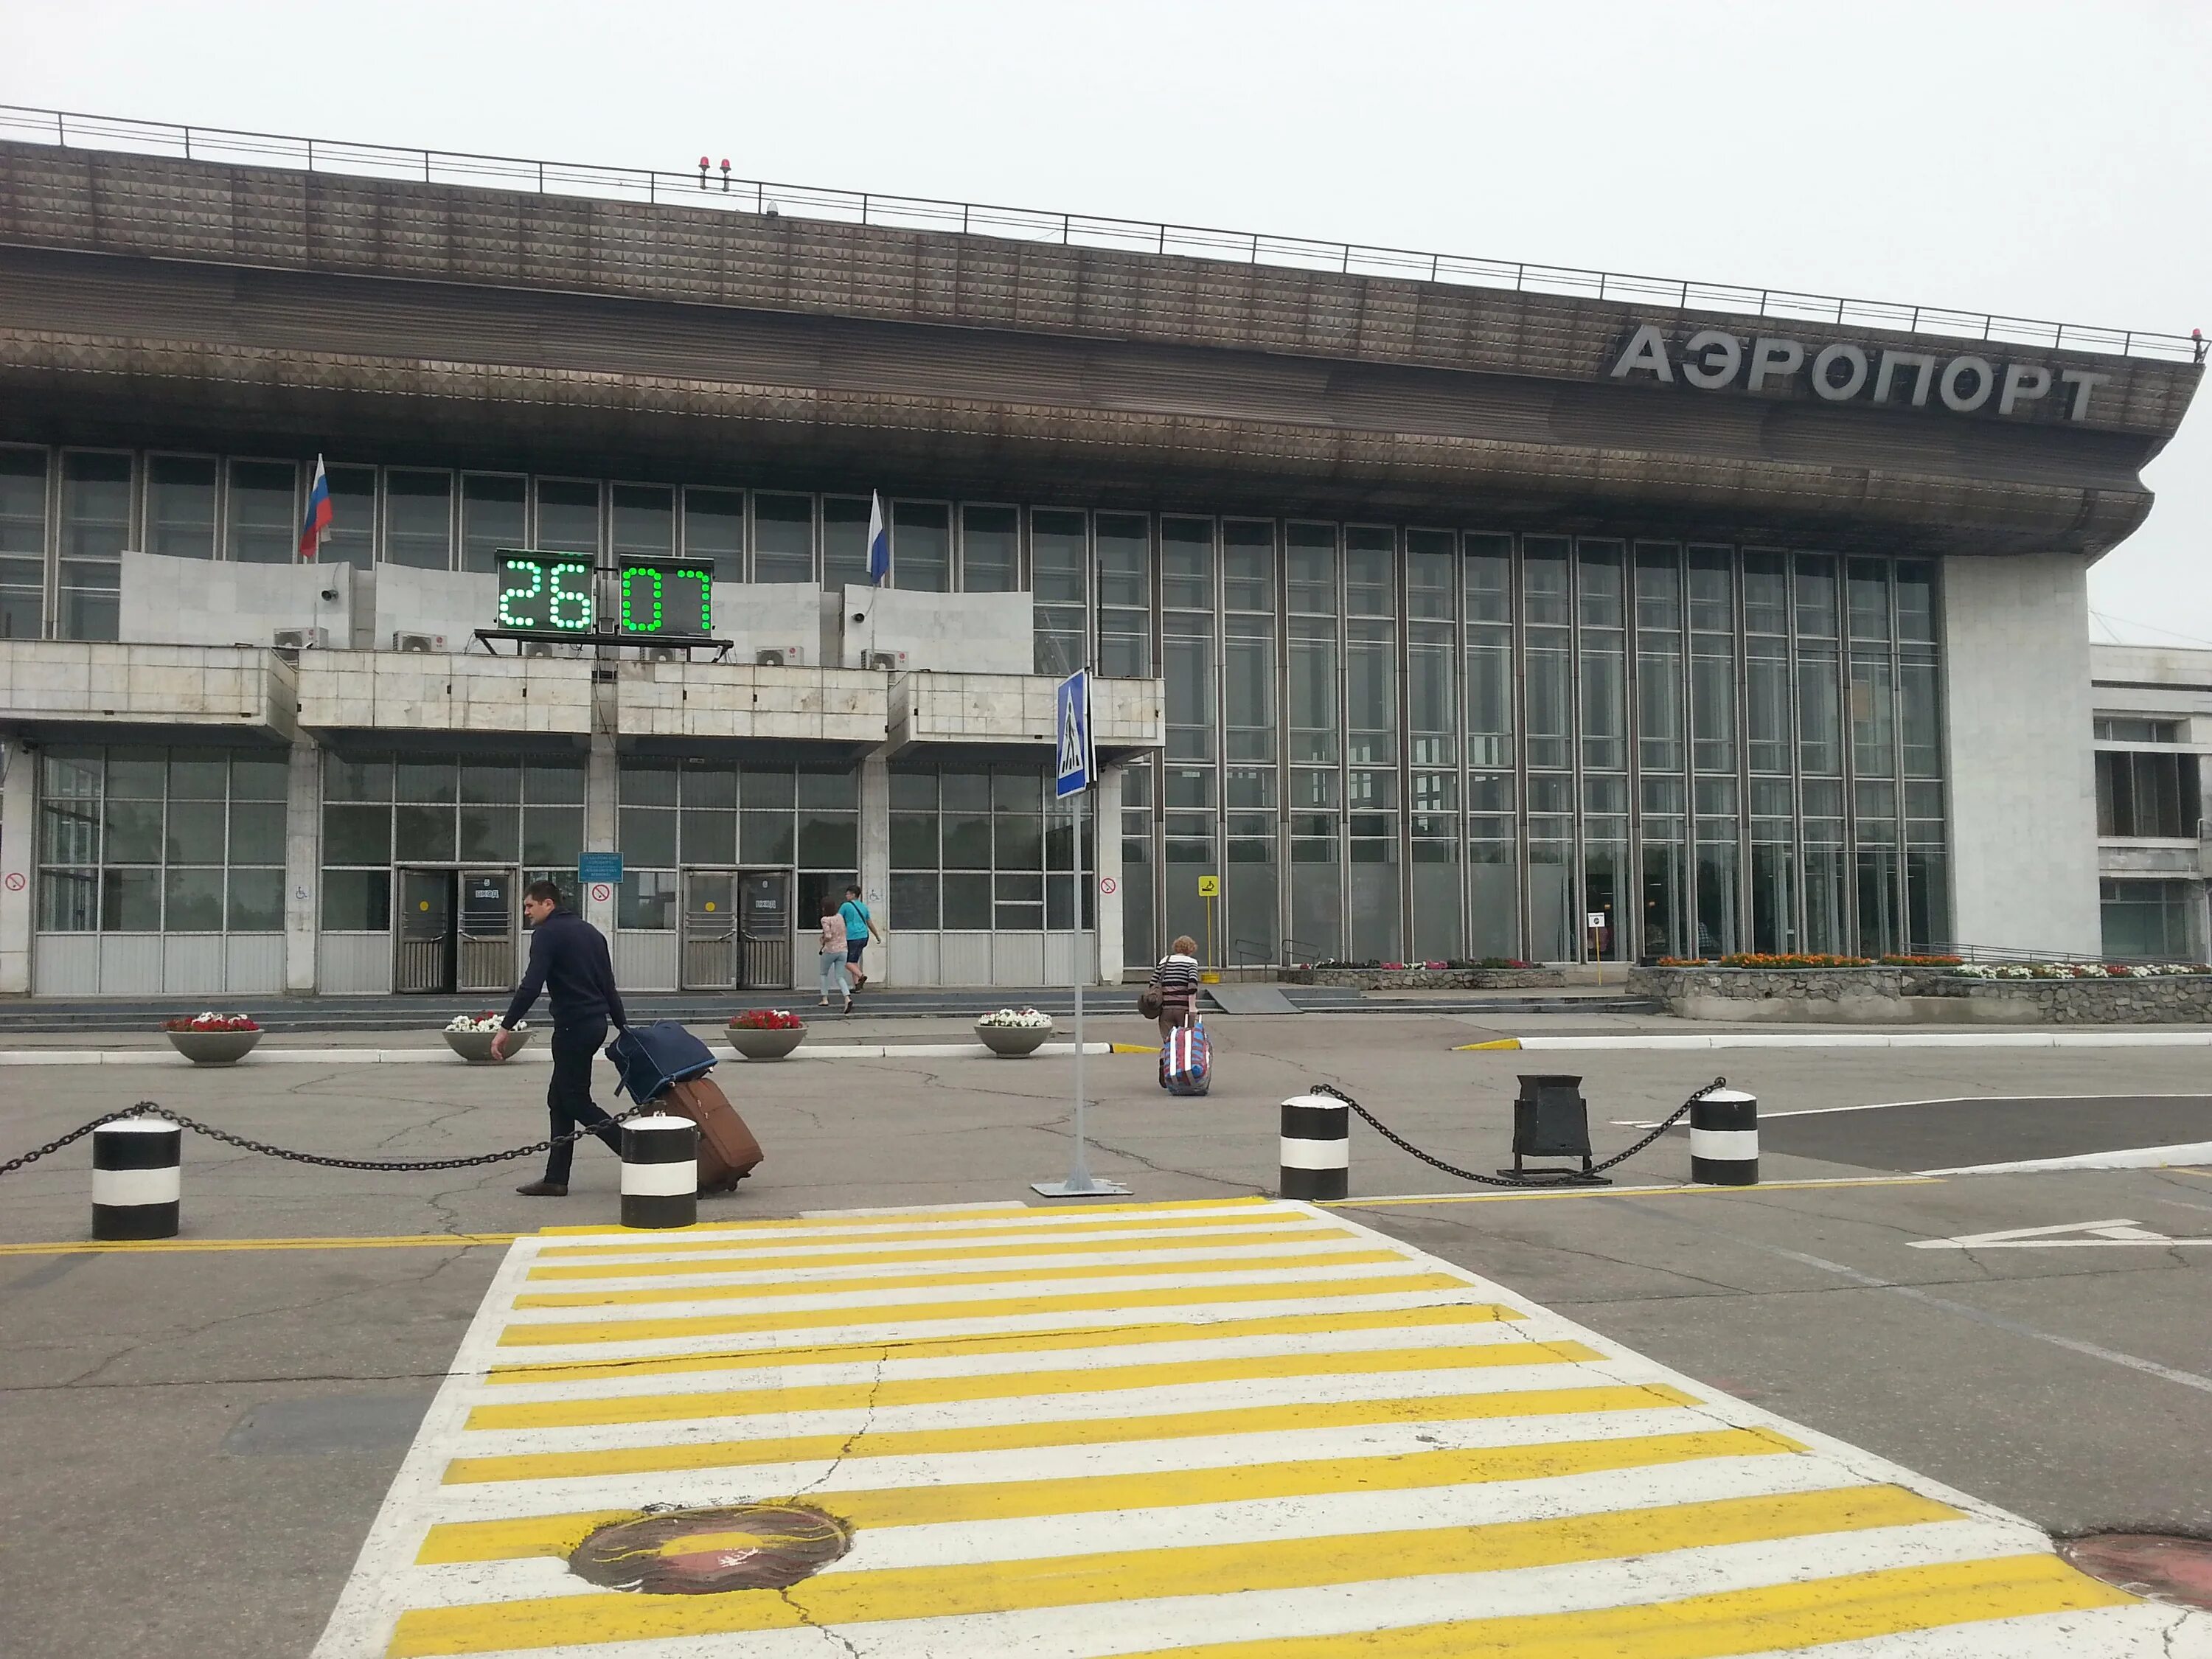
(2017, 717)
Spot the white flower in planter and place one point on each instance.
(1018, 1019)
(481, 1023)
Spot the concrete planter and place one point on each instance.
(213, 1048)
(475, 1047)
(1428, 979)
(1012, 1042)
(1932, 996)
(754, 1044)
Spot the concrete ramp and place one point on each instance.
(1249, 999)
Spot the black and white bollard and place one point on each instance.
(1724, 1139)
(1316, 1147)
(659, 1171)
(137, 1178)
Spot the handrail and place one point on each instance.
(712, 187)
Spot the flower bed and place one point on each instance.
(1017, 1019)
(1941, 993)
(767, 1033)
(470, 1036)
(1489, 974)
(767, 1019)
(2015, 971)
(212, 1021)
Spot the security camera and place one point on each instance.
(330, 593)
(860, 616)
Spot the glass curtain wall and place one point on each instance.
(1314, 913)
(23, 543)
(1191, 766)
(1250, 676)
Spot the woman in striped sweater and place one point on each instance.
(1176, 980)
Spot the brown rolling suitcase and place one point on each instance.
(728, 1149)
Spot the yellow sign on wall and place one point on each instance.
(1209, 887)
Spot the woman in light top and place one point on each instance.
(1176, 980)
(833, 954)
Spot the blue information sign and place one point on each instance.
(1075, 766)
(598, 867)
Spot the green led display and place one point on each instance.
(666, 599)
(546, 592)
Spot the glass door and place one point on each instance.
(766, 929)
(709, 925)
(426, 931)
(486, 935)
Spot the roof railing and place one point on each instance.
(711, 186)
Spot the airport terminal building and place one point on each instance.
(1433, 617)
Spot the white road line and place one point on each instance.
(2130, 1158)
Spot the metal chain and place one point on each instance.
(1406, 1145)
(389, 1165)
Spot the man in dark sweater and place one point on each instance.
(568, 959)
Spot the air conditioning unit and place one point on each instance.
(421, 645)
(664, 653)
(538, 648)
(303, 639)
(781, 656)
(886, 662)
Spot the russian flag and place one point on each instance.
(880, 542)
(316, 525)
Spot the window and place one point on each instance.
(1057, 549)
(1125, 596)
(418, 520)
(180, 506)
(783, 539)
(973, 848)
(352, 538)
(2147, 794)
(990, 549)
(715, 531)
(491, 518)
(144, 840)
(643, 521)
(2153, 921)
(22, 543)
(568, 516)
(2118, 728)
(844, 541)
(921, 546)
(95, 529)
(262, 523)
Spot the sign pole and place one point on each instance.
(1075, 768)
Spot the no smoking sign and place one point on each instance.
(16, 881)
(602, 893)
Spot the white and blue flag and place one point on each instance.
(1075, 766)
(880, 542)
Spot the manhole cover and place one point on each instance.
(2154, 1564)
(704, 1551)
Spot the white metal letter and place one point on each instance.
(1839, 353)
(1710, 358)
(1892, 361)
(1647, 350)
(1986, 382)
(1781, 358)
(2023, 382)
(2082, 380)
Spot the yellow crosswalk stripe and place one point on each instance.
(740, 1260)
(961, 1347)
(858, 1280)
(1005, 1500)
(1770, 1619)
(1086, 1431)
(942, 1309)
(1018, 1385)
(869, 1225)
(1203, 1569)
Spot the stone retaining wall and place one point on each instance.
(1428, 979)
(1928, 995)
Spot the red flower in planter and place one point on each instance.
(211, 1022)
(768, 1019)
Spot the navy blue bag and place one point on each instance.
(653, 1059)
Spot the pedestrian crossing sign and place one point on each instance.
(1074, 766)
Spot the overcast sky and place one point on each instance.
(2034, 158)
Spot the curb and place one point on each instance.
(447, 1057)
(2190, 1039)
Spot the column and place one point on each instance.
(599, 835)
(303, 864)
(875, 875)
(1106, 835)
(18, 859)
(2018, 749)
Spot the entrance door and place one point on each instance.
(426, 931)
(765, 928)
(487, 940)
(709, 925)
